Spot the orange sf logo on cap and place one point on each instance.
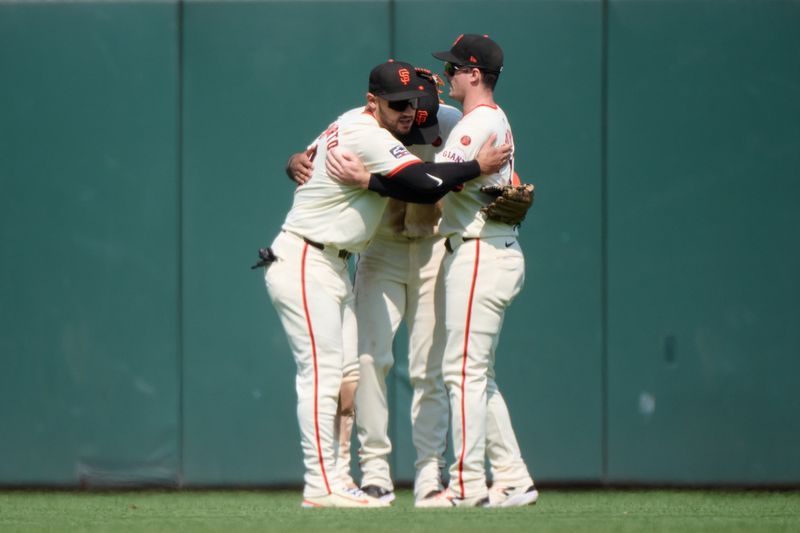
(422, 117)
(405, 76)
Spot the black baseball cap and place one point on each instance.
(476, 51)
(395, 80)
(426, 124)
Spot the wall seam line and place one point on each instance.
(604, 235)
(180, 231)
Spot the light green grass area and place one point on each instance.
(557, 510)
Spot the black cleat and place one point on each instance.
(379, 493)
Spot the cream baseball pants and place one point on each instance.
(312, 293)
(482, 277)
(398, 279)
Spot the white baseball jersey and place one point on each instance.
(341, 216)
(420, 220)
(461, 211)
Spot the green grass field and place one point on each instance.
(557, 510)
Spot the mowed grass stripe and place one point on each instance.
(557, 510)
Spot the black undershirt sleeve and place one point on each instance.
(424, 183)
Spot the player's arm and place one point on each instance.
(424, 183)
(419, 182)
(429, 182)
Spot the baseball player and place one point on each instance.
(484, 270)
(396, 280)
(306, 274)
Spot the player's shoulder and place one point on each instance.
(448, 117)
(448, 112)
(351, 113)
(358, 118)
(483, 118)
(484, 113)
(361, 128)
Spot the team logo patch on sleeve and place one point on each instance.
(465, 140)
(399, 152)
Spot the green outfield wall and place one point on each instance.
(142, 145)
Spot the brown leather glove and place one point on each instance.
(511, 203)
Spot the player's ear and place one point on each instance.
(476, 76)
(372, 102)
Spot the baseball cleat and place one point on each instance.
(512, 496)
(345, 498)
(445, 498)
(435, 499)
(379, 493)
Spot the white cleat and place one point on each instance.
(353, 498)
(435, 499)
(512, 496)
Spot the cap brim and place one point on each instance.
(429, 133)
(446, 56)
(418, 135)
(404, 95)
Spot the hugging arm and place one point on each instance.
(424, 183)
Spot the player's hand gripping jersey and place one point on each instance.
(462, 209)
(341, 216)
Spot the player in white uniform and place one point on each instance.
(484, 270)
(307, 277)
(396, 280)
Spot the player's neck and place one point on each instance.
(477, 98)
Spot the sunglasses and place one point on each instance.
(401, 105)
(450, 69)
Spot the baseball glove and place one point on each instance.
(511, 203)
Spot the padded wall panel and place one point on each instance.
(704, 156)
(261, 81)
(88, 243)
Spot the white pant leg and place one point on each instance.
(343, 423)
(430, 406)
(380, 303)
(482, 277)
(505, 459)
(350, 364)
(310, 290)
(508, 469)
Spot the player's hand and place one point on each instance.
(346, 168)
(492, 158)
(299, 168)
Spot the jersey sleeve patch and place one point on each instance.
(399, 152)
